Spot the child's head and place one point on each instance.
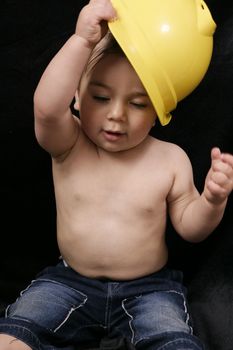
(115, 110)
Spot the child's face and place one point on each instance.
(115, 110)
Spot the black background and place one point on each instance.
(31, 32)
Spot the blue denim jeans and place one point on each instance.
(61, 309)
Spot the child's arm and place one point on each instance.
(196, 216)
(56, 129)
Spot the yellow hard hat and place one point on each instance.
(169, 43)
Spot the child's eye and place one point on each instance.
(139, 105)
(100, 98)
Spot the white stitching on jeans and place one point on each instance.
(130, 321)
(70, 312)
(185, 309)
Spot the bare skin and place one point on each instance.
(8, 342)
(114, 184)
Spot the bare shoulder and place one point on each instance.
(168, 150)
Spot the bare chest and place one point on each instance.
(116, 186)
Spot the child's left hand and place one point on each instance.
(219, 180)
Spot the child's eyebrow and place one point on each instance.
(136, 93)
(98, 83)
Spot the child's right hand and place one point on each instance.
(92, 21)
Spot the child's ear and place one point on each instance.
(76, 103)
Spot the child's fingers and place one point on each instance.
(215, 153)
(227, 158)
(109, 11)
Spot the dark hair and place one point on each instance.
(107, 45)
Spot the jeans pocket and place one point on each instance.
(152, 314)
(47, 303)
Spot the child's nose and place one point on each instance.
(117, 112)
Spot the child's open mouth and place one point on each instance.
(112, 135)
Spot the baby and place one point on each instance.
(114, 187)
